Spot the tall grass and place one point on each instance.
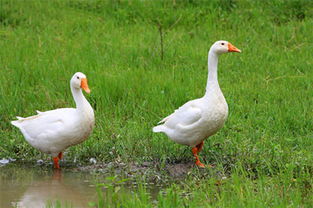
(117, 45)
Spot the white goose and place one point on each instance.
(198, 119)
(53, 131)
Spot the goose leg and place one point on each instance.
(199, 146)
(60, 155)
(195, 152)
(56, 162)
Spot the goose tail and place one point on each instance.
(159, 128)
(17, 122)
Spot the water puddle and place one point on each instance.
(37, 187)
(32, 186)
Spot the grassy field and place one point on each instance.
(265, 148)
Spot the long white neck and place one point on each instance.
(81, 102)
(212, 68)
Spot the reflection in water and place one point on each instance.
(19, 188)
(37, 187)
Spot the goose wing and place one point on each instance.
(45, 124)
(186, 115)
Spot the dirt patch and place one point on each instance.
(151, 170)
(180, 169)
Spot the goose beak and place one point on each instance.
(84, 85)
(232, 48)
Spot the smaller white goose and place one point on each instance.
(53, 131)
(198, 119)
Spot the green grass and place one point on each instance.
(266, 143)
(237, 191)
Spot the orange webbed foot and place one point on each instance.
(199, 164)
(195, 151)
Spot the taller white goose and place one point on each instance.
(53, 131)
(198, 119)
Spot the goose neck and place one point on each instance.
(212, 81)
(81, 102)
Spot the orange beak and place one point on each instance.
(232, 48)
(84, 85)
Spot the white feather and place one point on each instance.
(198, 119)
(53, 131)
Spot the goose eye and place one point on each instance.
(77, 77)
(222, 43)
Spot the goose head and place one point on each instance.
(79, 80)
(223, 46)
